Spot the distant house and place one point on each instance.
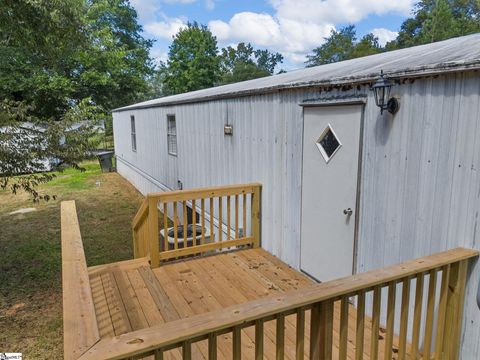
(37, 131)
(346, 187)
(33, 131)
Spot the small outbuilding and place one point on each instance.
(348, 185)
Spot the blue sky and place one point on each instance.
(291, 27)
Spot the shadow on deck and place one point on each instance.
(130, 296)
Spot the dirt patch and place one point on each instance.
(22, 211)
(12, 311)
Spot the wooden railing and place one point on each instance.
(439, 335)
(226, 216)
(80, 329)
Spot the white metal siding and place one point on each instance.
(420, 181)
(151, 156)
(419, 191)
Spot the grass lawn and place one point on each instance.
(30, 267)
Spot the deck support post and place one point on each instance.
(154, 247)
(454, 312)
(321, 331)
(256, 215)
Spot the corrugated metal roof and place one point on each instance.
(444, 56)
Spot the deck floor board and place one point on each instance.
(130, 296)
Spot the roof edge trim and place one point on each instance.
(422, 71)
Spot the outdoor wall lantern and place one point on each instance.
(381, 89)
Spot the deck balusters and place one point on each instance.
(300, 334)
(237, 343)
(432, 285)
(280, 337)
(360, 325)
(377, 298)
(236, 216)
(259, 339)
(202, 216)
(402, 347)
(417, 315)
(212, 216)
(244, 223)
(212, 346)
(194, 223)
(343, 341)
(220, 221)
(187, 350)
(158, 355)
(442, 308)
(392, 287)
(185, 222)
(229, 227)
(165, 227)
(175, 226)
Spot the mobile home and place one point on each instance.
(347, 186)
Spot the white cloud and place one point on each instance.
(159, 55)
(167, 28)
(294, 28)
(384, 35)
(291, 38)
(210, 4)
(338, 11)
(259, 28)
(146, 9)
(220, 29)
(298, 26)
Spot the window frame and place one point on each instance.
(133, 133)
(172, 135)
(320, 147)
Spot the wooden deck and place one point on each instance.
(129, 296)
(245, 303)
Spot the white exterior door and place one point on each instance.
(331, 145)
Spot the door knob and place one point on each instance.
(348, 211)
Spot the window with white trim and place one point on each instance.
(172, 135)
(133, 133)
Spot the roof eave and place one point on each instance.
(423, 71)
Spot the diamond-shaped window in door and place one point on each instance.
(328, 143)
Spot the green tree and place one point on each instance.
(53, 54)
(62, 61)
(192, 60)
(116, 62)
(245, 63)
(436, 20)
(368, 45)
(38, 46)
(267, 60)
(337, 47)
(342, 45)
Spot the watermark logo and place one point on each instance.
(10, 356)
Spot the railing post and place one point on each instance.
(256, 215)
(321, 331)
(454, 313)
(135, 242)
(153, 238)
